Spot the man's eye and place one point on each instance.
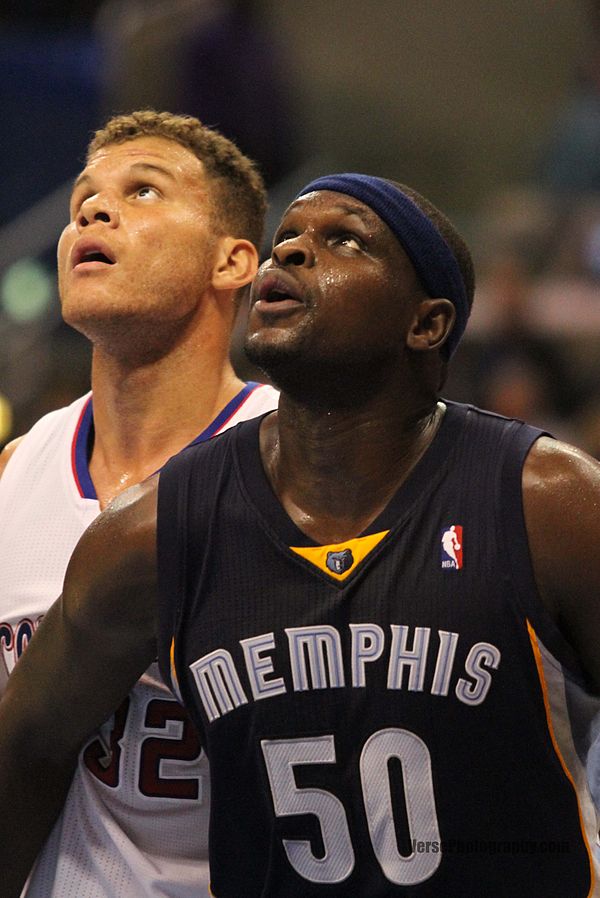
(146, 192)
(350, 240)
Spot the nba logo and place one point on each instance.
(452, 547)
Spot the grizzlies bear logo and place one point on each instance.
(340, 562)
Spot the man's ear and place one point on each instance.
(236, 263)
(431, 325)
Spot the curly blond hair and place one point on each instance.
(238, 191)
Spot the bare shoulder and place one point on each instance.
(132, 511)
(561, 488)
(557, 464)
(115, 560)
(561, 501)
(559, 475)
(8, 452)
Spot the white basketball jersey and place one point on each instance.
(135, 824)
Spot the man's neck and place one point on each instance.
(143, 415)
(335, 471)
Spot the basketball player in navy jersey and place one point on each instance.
(166, 218)
(382, 716)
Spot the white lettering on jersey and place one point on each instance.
(475, 693)
(415, 659)
(316, 660)
(444, 663)
(368, 642)
(218, 683)
(321, 647)
(259, 667)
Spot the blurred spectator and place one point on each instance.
(570, 161)
(517, 366)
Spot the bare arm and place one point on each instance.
(561, 495)
(88, 651)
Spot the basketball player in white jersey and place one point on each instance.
(165, 220)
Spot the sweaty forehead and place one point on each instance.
(329, 202)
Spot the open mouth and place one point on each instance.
(278, 293)
(278, 302)
(96, 257)
(92, 256)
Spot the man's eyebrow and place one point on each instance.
(363, 212)
(135, 166)
(149, 166)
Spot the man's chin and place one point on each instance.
(293, 369)
(272, 357)
(129, 337)
(100, 321)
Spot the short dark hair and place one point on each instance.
(239, 195)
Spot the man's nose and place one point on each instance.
(294, 251)
(98, 208)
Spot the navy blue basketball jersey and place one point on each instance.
(395, 715)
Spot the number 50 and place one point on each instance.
(337, 863)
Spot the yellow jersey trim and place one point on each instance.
(339, 560)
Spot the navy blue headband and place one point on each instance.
(432, 258)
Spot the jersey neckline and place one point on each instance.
(83, 438)
(421, 480)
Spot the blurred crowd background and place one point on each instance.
(492, 110)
